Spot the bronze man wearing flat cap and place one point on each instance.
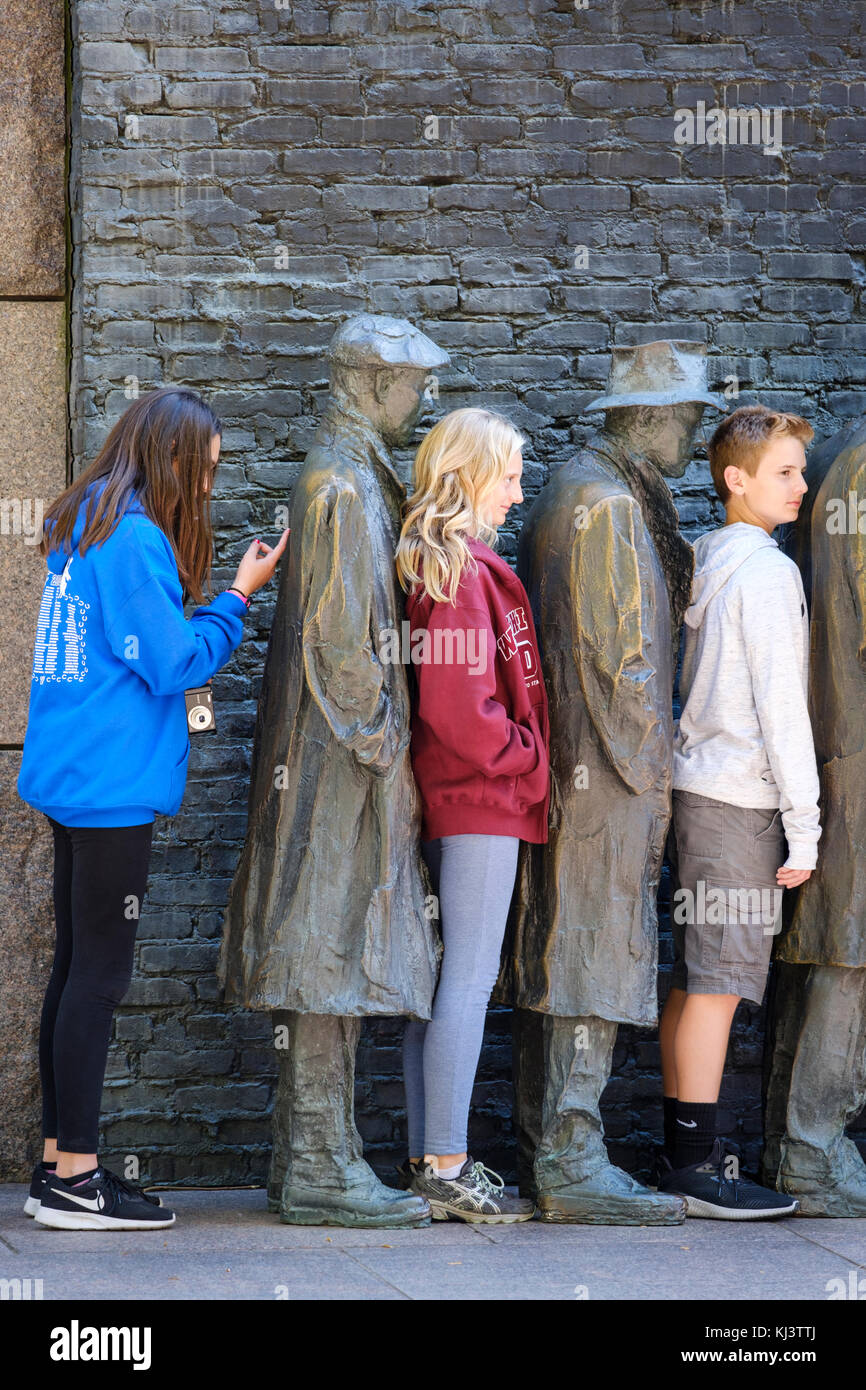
(326, 917)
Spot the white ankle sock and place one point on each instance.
(449, 1173)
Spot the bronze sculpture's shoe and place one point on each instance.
(839, 1200)
(609, 1197)
(832, 1185)
(365, 1202)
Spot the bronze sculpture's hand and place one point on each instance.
(792, 878)
(258, 564)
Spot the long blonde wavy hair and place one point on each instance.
(460, 461)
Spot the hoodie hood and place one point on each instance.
(494, 561)
(718, 555)
(57, 560)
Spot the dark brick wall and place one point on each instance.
(244, 176)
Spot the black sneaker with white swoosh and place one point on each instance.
(107, 1202)
(41, 1174)
(709, 1189)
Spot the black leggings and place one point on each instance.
(100, 877)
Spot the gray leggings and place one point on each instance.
(473, 877)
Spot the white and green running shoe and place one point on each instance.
(476, 1194)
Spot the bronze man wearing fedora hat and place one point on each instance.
(608, 575)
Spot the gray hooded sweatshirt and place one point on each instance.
(744, 734)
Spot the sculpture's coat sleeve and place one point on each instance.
(857, 561)
(611, 642)
(344, 674)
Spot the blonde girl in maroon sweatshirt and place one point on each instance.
(480, 756)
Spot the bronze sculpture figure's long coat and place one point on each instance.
(327, 909)
(829, 926)
(585, 939)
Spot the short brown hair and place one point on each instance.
(742, 437)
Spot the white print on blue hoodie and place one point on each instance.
(60, 653)
(107, 741)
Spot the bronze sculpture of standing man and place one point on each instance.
(327, 921)
(815, 1070)
(609, 576)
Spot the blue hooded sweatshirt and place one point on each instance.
(107, 740)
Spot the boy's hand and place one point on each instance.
(792, 878)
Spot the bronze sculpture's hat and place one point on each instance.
(666, 372)
(372, 340)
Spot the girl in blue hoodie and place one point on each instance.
(107, 747)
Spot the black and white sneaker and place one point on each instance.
(106, 1202)
(709, 1191)
(476, 1194)
(41, 1174)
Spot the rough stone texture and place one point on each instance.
(246, 176)
(27, 934)
(32, 472)
(32, 148)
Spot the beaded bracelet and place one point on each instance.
(232, 590)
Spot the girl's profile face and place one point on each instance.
(214, 457)
(496, 505)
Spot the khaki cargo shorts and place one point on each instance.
(726, 906)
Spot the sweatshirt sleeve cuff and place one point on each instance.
(231, 603)
(802, 854)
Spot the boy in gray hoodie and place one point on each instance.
(745, 782)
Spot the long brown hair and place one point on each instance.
(172, 423)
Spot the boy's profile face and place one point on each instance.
(773, 495)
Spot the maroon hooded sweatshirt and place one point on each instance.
(480, 728)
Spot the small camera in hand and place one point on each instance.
(200, 717)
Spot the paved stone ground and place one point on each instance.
(225, 1245)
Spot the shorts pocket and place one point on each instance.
(766, 824)
(768, 847)
(742, 921)
(698, 825)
